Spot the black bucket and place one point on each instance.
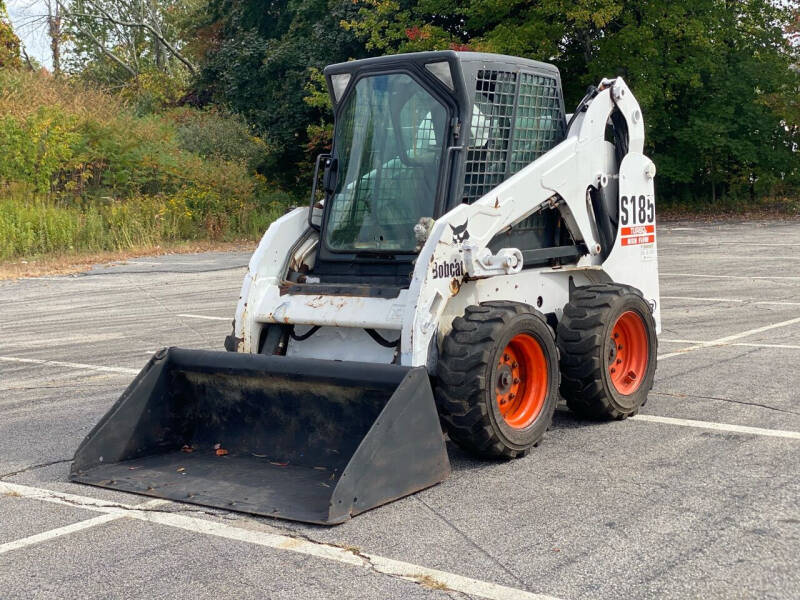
(301, 439)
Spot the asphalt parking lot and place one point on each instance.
(697, 497)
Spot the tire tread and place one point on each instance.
(579, 334)
(461, 386)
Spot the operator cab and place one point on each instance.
(414, 136)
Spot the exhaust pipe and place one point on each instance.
(309, 440)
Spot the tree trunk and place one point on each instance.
(54, 30)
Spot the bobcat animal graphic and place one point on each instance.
(460, 233)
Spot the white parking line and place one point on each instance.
(779, 433)
(68, 529)
(704, 276)
(380, 564)
(705, 243)
(56, 533)
(782, 346)
(59, 278)
(71, 365)
(206, 317)
(723, 341)
(701, 299)
(733, 300)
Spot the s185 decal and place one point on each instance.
(637, 210)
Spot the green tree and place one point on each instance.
(258, 60)
(704, 71)
(131, 45)
(714, 77)
(9, 42)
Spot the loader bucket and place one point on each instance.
(302, 439)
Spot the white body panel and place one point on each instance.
(424, 312)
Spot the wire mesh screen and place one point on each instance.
(492, 114)
(515, 119)
(539, 124)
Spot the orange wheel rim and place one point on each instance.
(628, 353)
(521, 381)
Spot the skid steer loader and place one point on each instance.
(469, 251)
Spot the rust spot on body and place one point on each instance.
(455, 286)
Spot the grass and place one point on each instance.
(429, 582)
(34, 227)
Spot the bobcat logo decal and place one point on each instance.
(460, 233)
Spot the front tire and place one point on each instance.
(498, 379)
(608, 344)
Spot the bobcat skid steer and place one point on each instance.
(469, 252)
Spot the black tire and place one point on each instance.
(469, 376)
(588, 354)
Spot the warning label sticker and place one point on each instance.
(641, 234)
(648, 252)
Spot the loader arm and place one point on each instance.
(561, 178)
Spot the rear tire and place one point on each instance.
(498, 379)
(608, 344)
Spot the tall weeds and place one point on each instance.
(36, 226)
(79, 170)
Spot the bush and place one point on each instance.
(37, 147)
(56, 143)
(214, 134)
(152, 90)
(81, 170)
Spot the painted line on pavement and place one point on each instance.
(71, 365)
(723, 341)
(706, 243)
(68, 529)
(734, 300)
(678, 253)
(379, 564)
(792, 277)
(779, 433)
(783, 346)
(207, 317)
(56, 533)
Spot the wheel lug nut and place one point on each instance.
(619, 347)
(514, 365)
(516, 379)
(616, 335)
(631, 375)
(506, 357)
(613, 370)
(511, 396)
